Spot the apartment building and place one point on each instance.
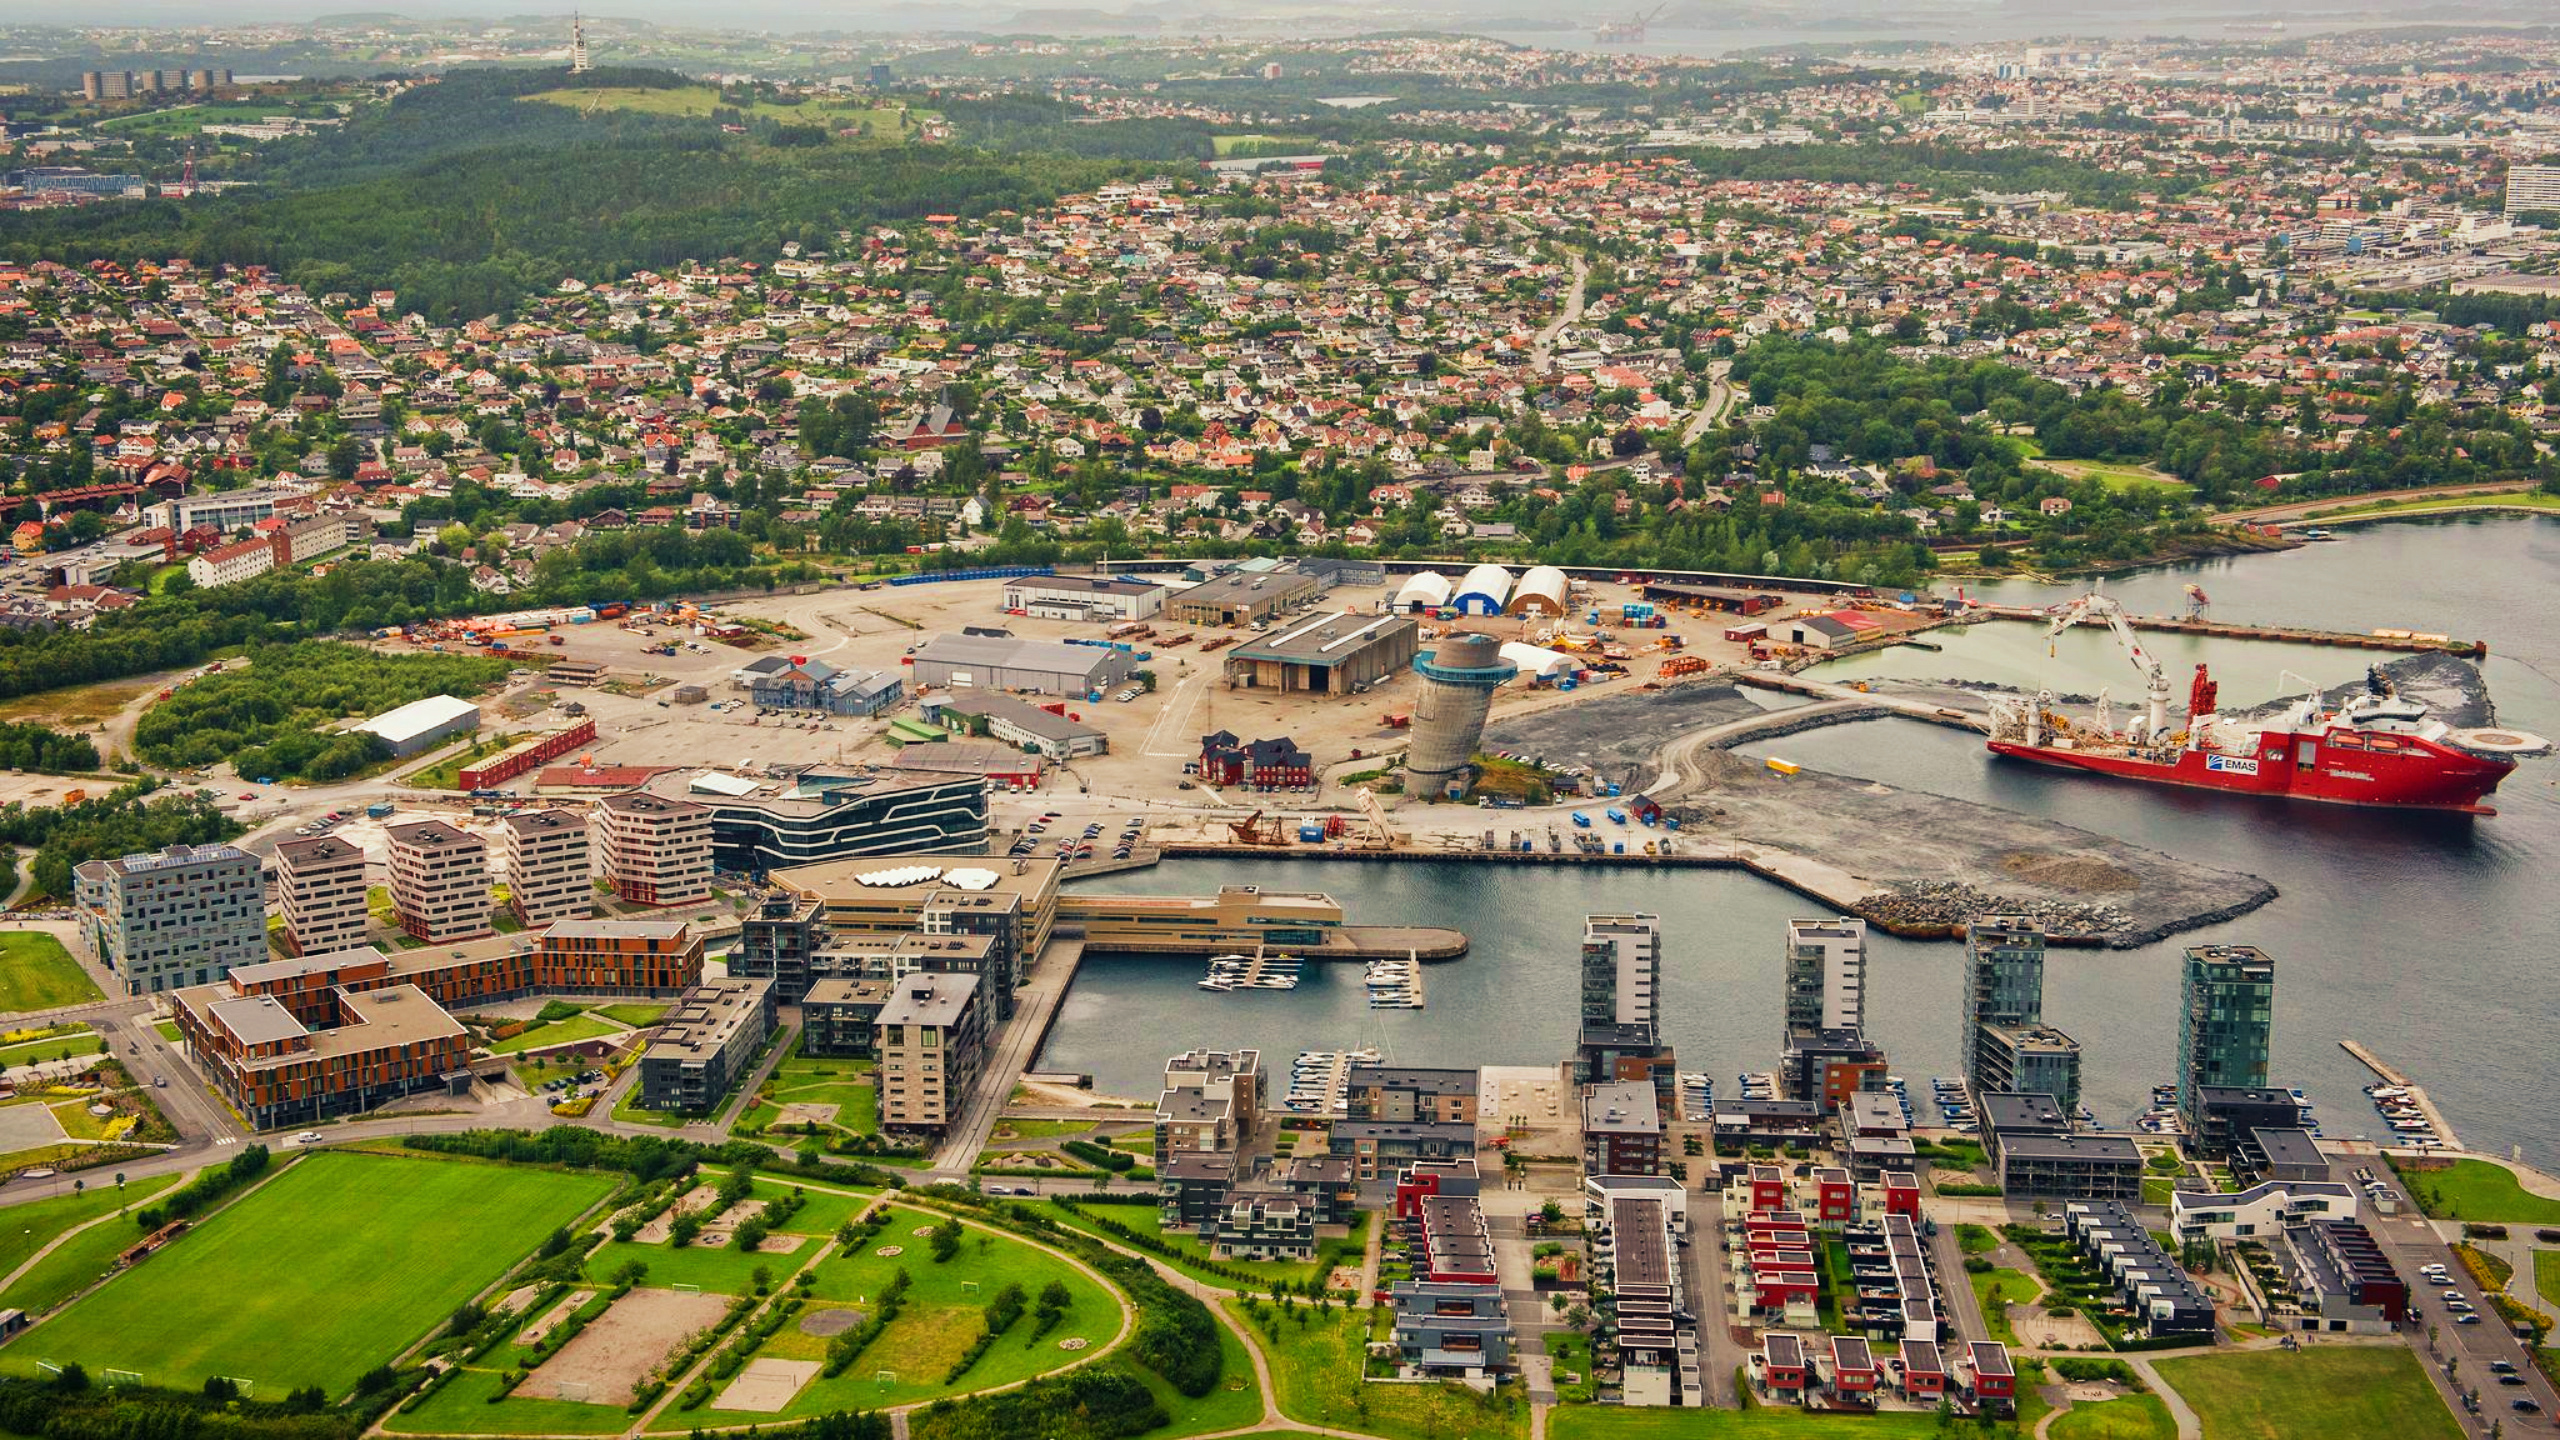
(617, 957)
(549, 877)
(1444, 1096)
(320, 893)
(932, 1037)
(182, 916)
(1449, 1317)
(1621, 1130)
(298, 1041)
(776, 941)
(440, 882)
(840, 1019)
(1636, 1226)
(654, 849)
(2226, 1023)
(704, 1044)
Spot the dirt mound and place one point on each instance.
(2069, 872)
(829, 1322)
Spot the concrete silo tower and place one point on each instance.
(1458, 682)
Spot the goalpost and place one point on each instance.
(575, 1390)
(247, 1388)
(120, 1377)
(884, 1378)
(683, 1289)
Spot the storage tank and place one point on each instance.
(1426, 591)
(1458, 681)
(1541, 592)
(1484, 591)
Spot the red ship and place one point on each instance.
(2377, 748)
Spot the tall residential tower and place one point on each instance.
(2226, 1021)
(2003, 1040)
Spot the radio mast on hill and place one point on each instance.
(578, 44)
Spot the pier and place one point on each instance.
(2417, 1093)
(2403, 642)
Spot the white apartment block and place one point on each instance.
(440, 882)
(654, 850)
(549, 876)
(2532, 187)
(320, 893)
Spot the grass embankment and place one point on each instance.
(2135, 1417)
(2477, 1190)
(2519, 499)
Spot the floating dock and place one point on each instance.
(2417, 1093)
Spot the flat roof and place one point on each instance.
(1990, 1357)
(1325, 640)
(418, 717)
(929, 999)
(1642, 1243)
(1249, 585)
(257, 1020)
(706, 1017)
(844, 992)
(1091, 584)
(270, 971)
(2023, 1114)
(879, 877)
(2037, 1146)
(618, 929)
(315, 849)
(391, 1016)
(2289, 1147)
(1624, 1108)
(1013, 653)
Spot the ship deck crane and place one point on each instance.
(2154, 723)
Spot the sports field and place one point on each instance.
(327, 1270)
(941, 1318)
(701, 100)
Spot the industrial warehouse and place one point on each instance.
(1335, 654)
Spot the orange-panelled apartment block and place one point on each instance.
(301, 1040)
(294, 1041)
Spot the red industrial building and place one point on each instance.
(516, 759)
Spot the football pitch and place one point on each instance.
(332, 1268)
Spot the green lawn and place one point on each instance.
(470, 1406)
(2546, 1275)
(169, 1031)
(1316, 1369)
(1997, 1290)
(1191, 1256)
(636, 1016)
(941, 1318)
(327, 1270)
(36, 973)
(701, 100)
(732, 1272)
(1977, 1239)
(26, 1229)
(2313, 1395)
(2478, 1190)
(28, 1052)
(1235, 1405)
(2135, 1417)
(1570, 1353)
(558, 1032)
(1041, 1129)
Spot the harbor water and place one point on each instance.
(2428, 938)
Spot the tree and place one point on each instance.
(220, 1390)
(946, 1240)
(377, 1380)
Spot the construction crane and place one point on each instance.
(2154, 722)
(1630, 31)
(2197, 602)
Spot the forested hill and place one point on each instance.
(465, 198)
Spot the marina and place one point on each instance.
(1251, 972)
(2413, 1119)
(1394, 985)
(1320, 1081)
